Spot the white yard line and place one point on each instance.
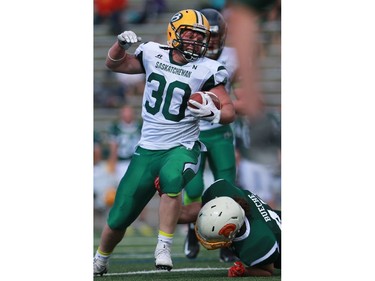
(165, 271)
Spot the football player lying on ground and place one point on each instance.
(236, 218)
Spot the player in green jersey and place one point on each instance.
(238, 219)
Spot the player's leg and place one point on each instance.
(140, 224)
(135, 190)
(221, 153)
(169, 206)
(194, 189)
(178, 167)
(193, 193)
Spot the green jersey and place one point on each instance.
(261, 242)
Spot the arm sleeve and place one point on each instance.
(219, 77)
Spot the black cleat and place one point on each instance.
(163, 267)
(191, 245)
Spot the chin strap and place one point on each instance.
(188, 57)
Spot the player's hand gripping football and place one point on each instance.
(127, 38)
(207, 110)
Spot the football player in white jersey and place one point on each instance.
(169, 148)
(218, 138)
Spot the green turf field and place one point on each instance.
(133, 260)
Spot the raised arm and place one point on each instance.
(118, 60)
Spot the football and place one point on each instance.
(199, 97)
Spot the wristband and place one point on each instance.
(116, 60)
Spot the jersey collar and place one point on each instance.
(246, 234)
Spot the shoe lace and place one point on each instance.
(165, 250)
(100, 264)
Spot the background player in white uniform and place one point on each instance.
(169, 148)
(218, 138)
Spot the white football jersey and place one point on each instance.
(167, 122)
(228, 58)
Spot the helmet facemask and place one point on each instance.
(197, 49)
(212, 245)
(217, 42)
